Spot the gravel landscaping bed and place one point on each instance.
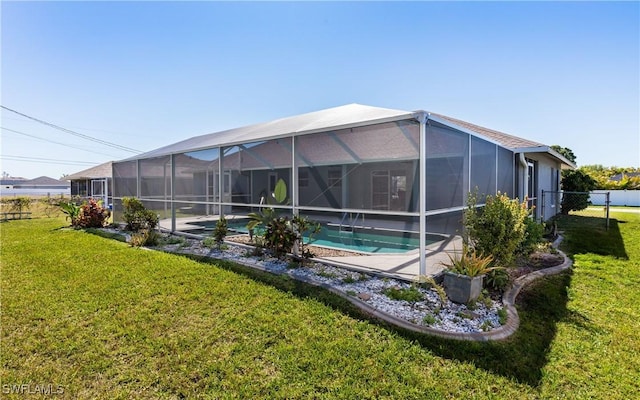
(431, 310)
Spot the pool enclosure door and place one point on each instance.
(99, 190)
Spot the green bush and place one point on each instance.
(533, 236)
(220, 232)
(497, 279)
(278, 237)
(72, 210)
(145, 237)
(498, 228)
(136, 216)
(92, 215)
(578, 183)
(19, 204)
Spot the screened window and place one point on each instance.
(483, 167)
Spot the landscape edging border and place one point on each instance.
(500, 333)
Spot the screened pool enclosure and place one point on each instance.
(379, 181)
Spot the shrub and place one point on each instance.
(144, 237)
(92, 215)
(533, 236)
(220, 232)
(136, 216)
(50, 205)
(497, 279)
(579, 184)
(498, 229)
(278, 237)
(72, 210)
(19, 204)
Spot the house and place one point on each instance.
(40, 186)
(95, 182)
(401, 177)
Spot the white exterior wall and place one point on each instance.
(548, 181)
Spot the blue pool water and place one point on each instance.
(366, 240)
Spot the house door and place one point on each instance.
(388, 190)
(380, 190)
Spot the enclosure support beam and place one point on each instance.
(423, 117)
(294, 179)
(173, 192)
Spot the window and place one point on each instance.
(303, 178)
(335, 177)
(273, 179)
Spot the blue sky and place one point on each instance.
(147, 74)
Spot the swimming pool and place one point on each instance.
(360, 239)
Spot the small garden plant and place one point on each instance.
(72, 210)
(470, 263)
(141, 222)
(220, 231)
(410, 294)
(280, 234)
(136, 215)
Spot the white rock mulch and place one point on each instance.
(431, 311)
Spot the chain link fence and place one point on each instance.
(586, 204)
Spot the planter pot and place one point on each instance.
(462, 288)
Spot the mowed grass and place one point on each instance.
(596, 353)
(105, 320)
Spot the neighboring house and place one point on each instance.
(42, 185)
(10, 182)
(402, 174)
(624, 175)
(95, 182)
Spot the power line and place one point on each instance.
(69, 131)
(53, 141)
(45, 160)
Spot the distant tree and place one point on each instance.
(625, 177)
(579, 183)
(566, 152)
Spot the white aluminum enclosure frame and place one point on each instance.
(291, 128)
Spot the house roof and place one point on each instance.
(44, 181)
(333, 119)
(12, 181)
(619, 177)
(99, 171)
(508, 141)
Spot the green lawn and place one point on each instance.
(105, 320)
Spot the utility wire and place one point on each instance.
(53, 141)
(69, 131)
(45, 160)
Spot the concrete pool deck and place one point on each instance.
(405, 266)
